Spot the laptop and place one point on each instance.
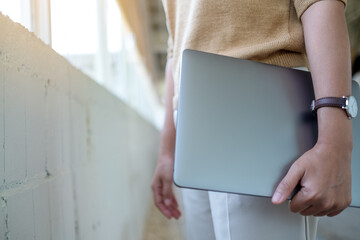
(241, 124)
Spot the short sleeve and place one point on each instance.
(302, 5)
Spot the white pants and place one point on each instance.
(225, 216)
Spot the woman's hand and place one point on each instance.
(324, 173)
(164, 197)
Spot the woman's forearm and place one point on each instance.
(167, 142)
(328, 50)
(324, 172)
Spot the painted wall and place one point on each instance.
(75, 161)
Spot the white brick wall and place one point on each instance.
(75, 161)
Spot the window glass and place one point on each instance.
(74, 32)
(115, 33)
(18, 10)
(114, 26)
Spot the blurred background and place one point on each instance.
(116, 43)
(82, 106)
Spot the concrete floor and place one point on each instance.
(345, 226)
(160, 228)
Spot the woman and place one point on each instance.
(289, 33)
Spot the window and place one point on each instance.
(74, 33)
(18, 10)
(91, 34)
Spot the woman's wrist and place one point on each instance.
(334, 128)
(166, 157)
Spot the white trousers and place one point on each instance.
(225, 216)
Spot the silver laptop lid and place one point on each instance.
(241, 124)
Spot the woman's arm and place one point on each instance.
(324, 172)
(163, 179)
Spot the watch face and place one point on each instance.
(352, 107)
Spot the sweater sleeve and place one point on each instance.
(302, 5)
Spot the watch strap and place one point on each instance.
(328, 102)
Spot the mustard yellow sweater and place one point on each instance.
(268, 31)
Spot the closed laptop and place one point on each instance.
(241, 124)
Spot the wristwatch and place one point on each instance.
(349, 104)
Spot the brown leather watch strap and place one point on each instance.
(328, 102)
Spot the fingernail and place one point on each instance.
(277, 197)
(167, 202)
